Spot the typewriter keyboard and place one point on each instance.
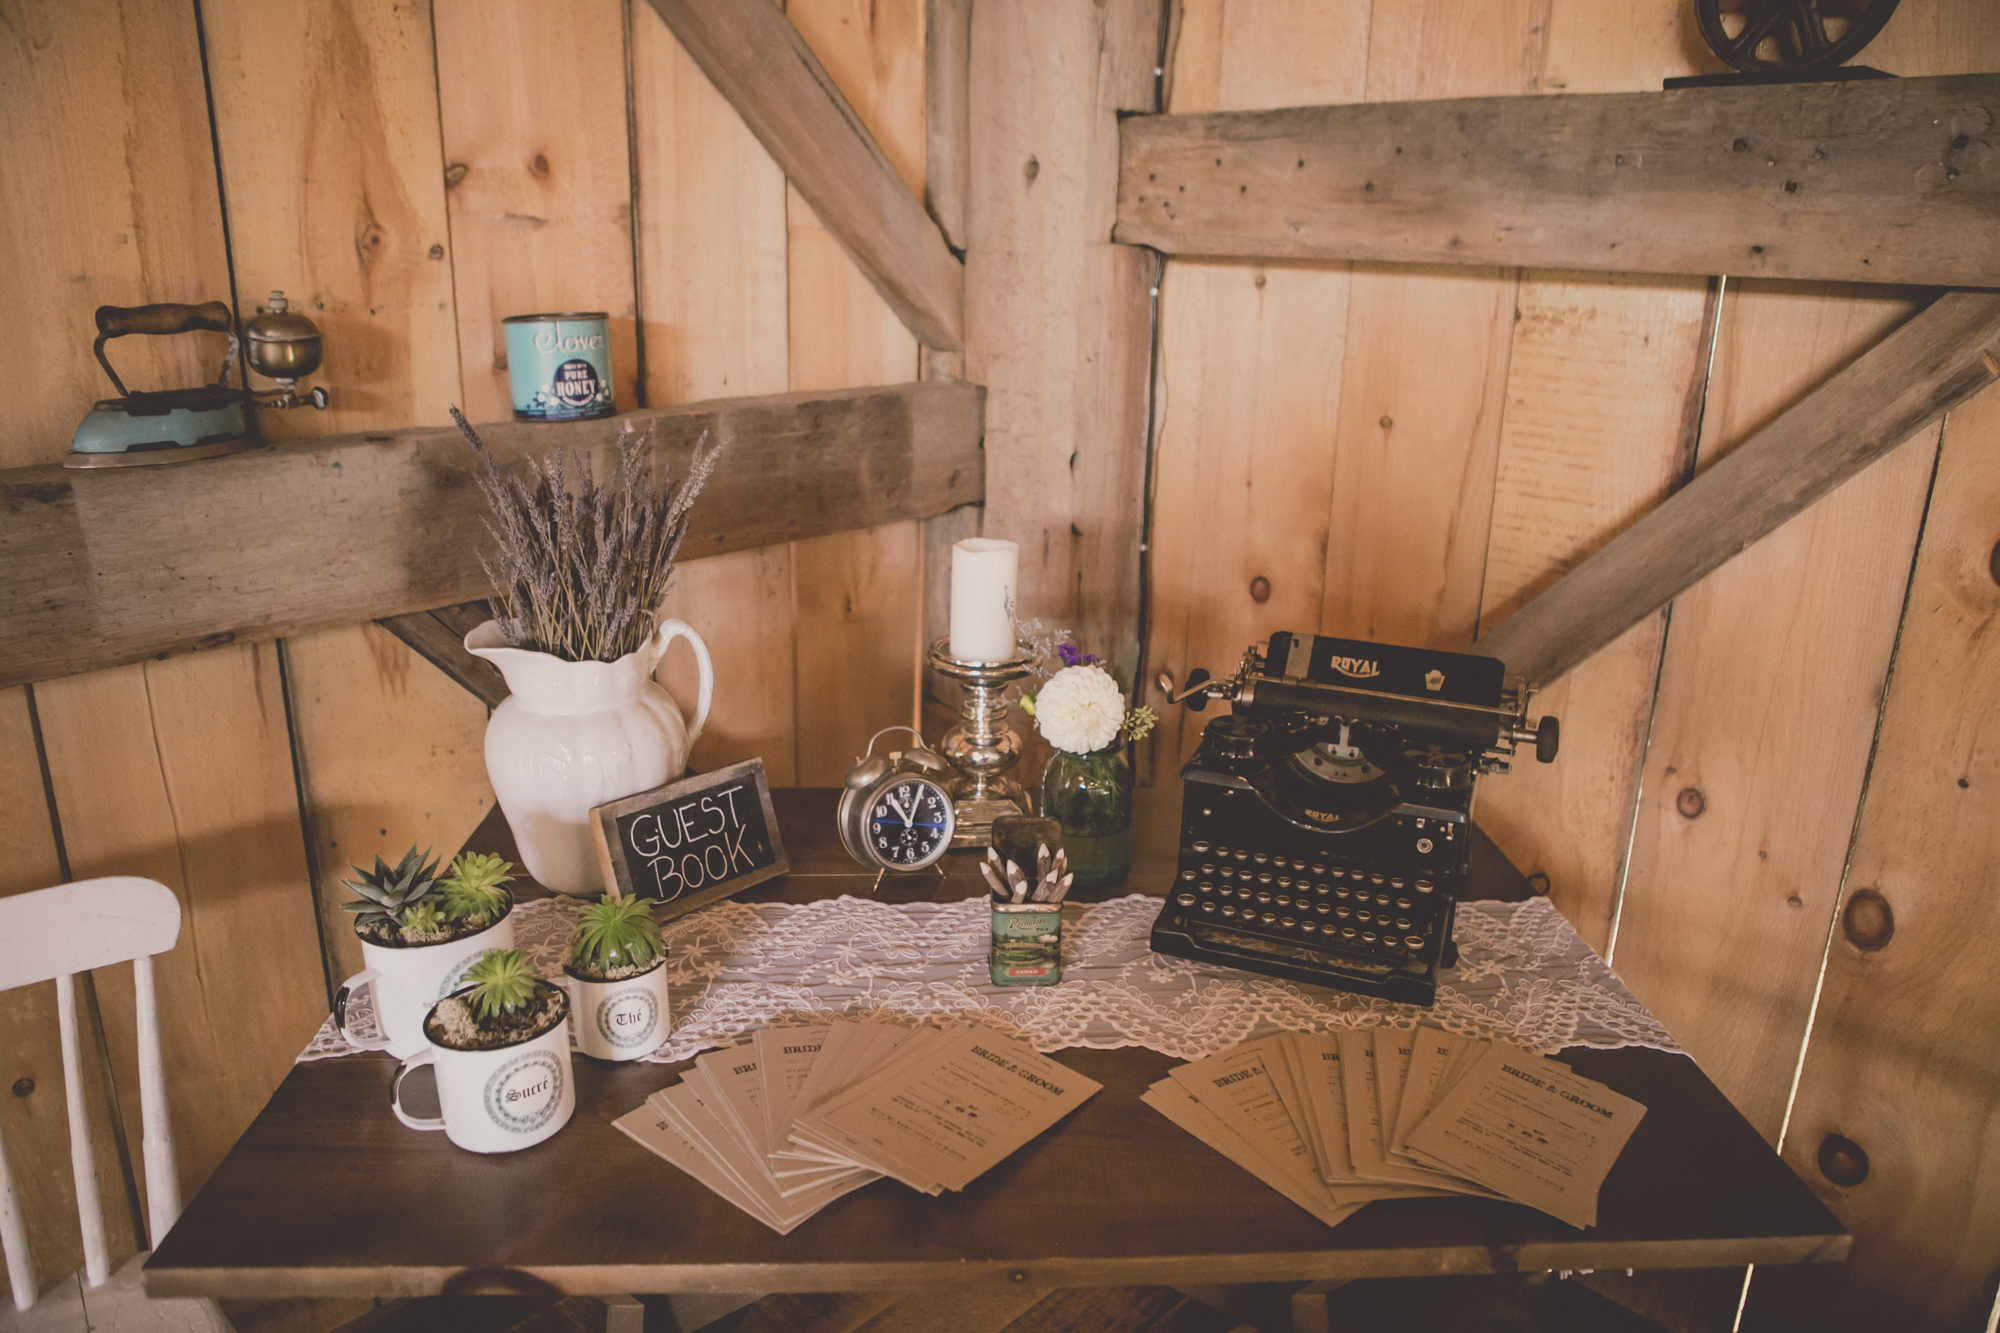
(1311, 901)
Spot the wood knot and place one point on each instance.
(455, 173)
(1868, 921)
(23, 1086)
(1032, 170)
(1740, 146)
(1993, 560)
(1260, 589)
(1538, 884)
(437, 252)
(1690, 803)
(1386, 422)
(1842, 1161)
(540, 166)
(1018, 1275)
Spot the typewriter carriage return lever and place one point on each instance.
(1325, 819)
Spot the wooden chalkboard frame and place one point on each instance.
(620, 871)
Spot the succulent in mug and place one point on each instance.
(472, 890)
(501, 983)
(615, 933)
(388, 895)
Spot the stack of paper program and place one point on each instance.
(798, 1116)
(1335, 1121)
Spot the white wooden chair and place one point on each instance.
(53, 934)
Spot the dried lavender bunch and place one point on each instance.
(582, 566)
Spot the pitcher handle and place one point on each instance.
(680, 629)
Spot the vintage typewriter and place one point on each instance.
(1324, 820)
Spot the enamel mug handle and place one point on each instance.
(367, 976)
(417, 1061)
(680, 629)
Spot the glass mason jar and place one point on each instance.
(1090, 795)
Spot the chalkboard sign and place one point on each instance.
(692, 842)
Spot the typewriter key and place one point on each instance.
(1269, 918)
(1321, 889)
(1308, 927)
(1336, 872)
(1367, 937)
(1262, 858)
(1287, 922)
(1187, 876)
(1363, 916)
(1347, 932)
(1227, 910)
(1402, 923)
(1200, 847)
(1318, 869)
(1242, 853)
(1185, 899)
(1395, 883)
(1342, 891)
(1227, 872)
(1264, 879)
(1208, 907)
(1220, 850)
(1322, 908)
(1374, 879)
(1343, 911)
(1403, 904)
(1207, 869)
(1206, 887)
(1414, 941)
(1424, 886)
(1279, 862)
(1284, 881)
(1263, 896)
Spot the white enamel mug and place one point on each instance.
(619, 1020)
(497, 1101)
(406, 982)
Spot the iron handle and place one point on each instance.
(115, 321)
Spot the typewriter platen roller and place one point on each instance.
(1325, 819)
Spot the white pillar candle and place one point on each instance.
(982, 592)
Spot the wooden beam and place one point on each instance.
(102, 568)
(947, 114)
(439, 638)
(1930, 365)
(1872, 181)
(756, 59)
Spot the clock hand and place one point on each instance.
(897, 806)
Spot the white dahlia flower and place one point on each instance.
(1080, 709)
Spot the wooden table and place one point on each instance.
(326, 1194)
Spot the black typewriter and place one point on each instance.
(1324, 821)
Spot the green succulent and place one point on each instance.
(472, 891)
(502, 982)
(612, 933)
(421, 920)
(388, 895)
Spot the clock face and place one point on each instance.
(908, 823)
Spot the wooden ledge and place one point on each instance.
(103, 568)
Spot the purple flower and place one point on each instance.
(1068, 653)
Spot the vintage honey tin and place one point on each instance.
(559, 366)
(1027, 944)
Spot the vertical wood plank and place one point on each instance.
(1605, 376)
(212, 815)
(531, 99)
(35, 1127)
(1426, 369)
(334, 179)
(712, 275)
(1604, 395)
(855, 595)
(108, 199)
(1251, 359)
(1898, 1062)
(1058, 319)
(1768, 695)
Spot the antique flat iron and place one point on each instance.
(140, 428)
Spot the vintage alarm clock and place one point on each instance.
(895, 812)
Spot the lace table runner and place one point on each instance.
(1523, 976)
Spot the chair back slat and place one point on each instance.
(82, 1152)
(83, 926)
(163, 1181)
(14, 1236)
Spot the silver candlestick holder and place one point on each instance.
(982, 747)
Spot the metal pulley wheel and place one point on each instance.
(1777, 36)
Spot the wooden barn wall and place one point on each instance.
(409, 175)
(1400, 453)
(1412, 454)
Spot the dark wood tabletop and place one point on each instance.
(326, 1194)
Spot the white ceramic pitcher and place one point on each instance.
(573, 735)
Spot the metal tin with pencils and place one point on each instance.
(559, 366)
(1027, 944)
(1027, 870)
